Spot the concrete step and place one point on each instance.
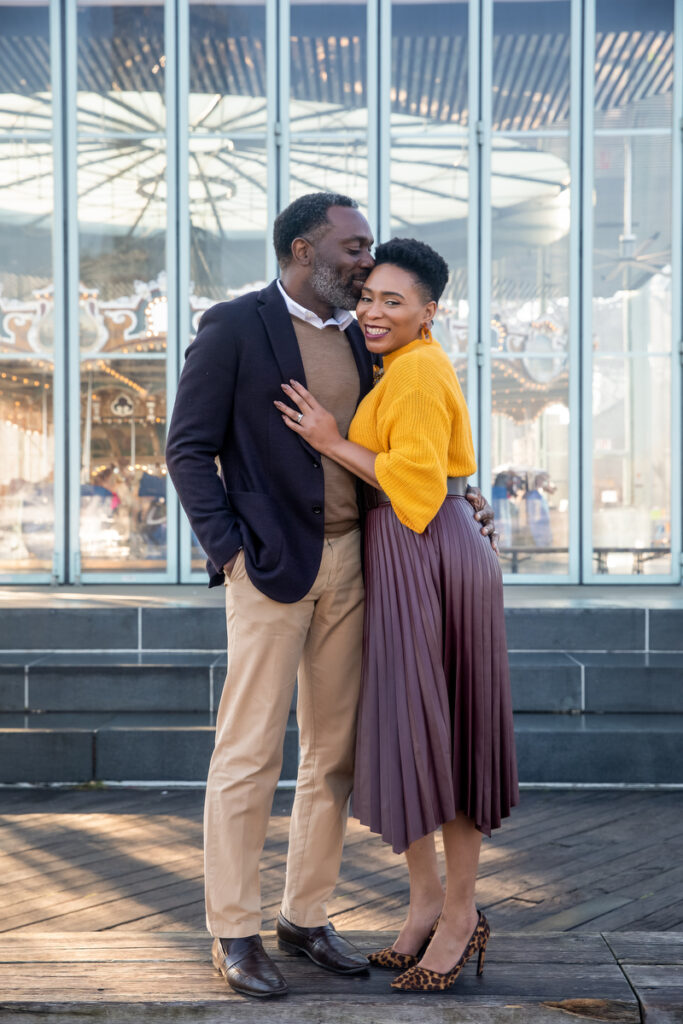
(183, 681)
(556, 625)
(585, 681)
(174, 747)
(85, 747)
(130, 693)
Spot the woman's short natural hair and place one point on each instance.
(302, 218)
(428, 268)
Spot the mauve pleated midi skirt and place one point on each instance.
(435, 730)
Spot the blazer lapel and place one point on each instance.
(278, 324)
(362, 357)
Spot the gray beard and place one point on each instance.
(328, 286)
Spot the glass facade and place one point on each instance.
(145, 148)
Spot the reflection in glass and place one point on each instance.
(328, 99)
(530, 204)
(122, 205)
(631, 310)
(429, 187)
(227, 155)
(530, 70)
(27, 516)
(227, 160)
(631, 465)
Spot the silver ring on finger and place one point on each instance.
(299, 417)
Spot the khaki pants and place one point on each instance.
(321, 637)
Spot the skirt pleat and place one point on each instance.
(435, 730)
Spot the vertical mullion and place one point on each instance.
(677, 292)
(59, 404)
(373, 71)
(588, 52)
(283, 102)
(182, 266)
(575, 290)
(384, 126)
(473, 211)
(485, 129)
(71, 291)
(176, 24)
(272, 138)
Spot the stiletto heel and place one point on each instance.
(391, 960)
(421, 979)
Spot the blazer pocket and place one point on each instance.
(260, 527)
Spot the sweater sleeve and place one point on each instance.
(415, 428)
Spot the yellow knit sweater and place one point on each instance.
(417, 420)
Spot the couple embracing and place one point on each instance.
(356, 557)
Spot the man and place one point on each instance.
(281, 531)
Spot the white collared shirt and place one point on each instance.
(341, 319)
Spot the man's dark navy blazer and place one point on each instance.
(272, 500)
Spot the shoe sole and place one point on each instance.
(289, 947)
(218, 964)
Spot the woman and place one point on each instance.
(435, 737)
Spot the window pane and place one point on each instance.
(227, 159)
(531, 54)
(123, 309)
(530, 203)
(632, 288)
(631, 465)
(27, 516)
(328, 100)
(429, 187)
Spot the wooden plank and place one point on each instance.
(144, 968)
(660, 990)
(290, 1010)
(646, 947)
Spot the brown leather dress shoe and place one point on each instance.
(323, 945)
(247, 968)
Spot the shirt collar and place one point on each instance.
(341, 318)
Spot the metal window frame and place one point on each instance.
(71, 292)
(482, 286)
(473, 238)
(186, 573)
(588, 576)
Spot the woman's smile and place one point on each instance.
(392, 309)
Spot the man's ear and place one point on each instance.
(302, 252)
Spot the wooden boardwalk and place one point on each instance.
(101, 906)
(131, 860)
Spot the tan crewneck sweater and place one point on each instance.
(332, 377)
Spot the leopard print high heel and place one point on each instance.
(421, 979)
(391, 960)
